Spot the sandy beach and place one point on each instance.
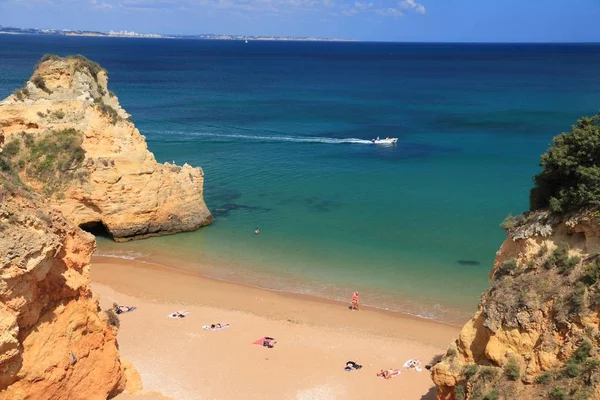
(314, 339)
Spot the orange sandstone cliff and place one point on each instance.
(55, 343)
(536, 332)
(69, 138)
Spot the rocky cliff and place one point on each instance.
(535, 334)
(68, 137)
(55, 343)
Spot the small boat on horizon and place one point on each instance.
(387, 140)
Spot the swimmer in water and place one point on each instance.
(257, 231)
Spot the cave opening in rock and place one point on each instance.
(96, 228)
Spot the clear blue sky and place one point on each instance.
(388, 20)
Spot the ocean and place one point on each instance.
(282, 132)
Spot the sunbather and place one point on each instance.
(178, 314)
(122, 309)
(215, 327)
(388, 373)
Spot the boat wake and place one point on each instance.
(276, 138)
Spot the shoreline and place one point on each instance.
(315, 338)
(211, 269)
(109, 261)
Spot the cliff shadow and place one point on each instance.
(430, 395)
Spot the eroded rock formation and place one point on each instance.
(55, 343)
(535, 334)
(113, 180)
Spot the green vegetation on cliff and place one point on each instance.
(570, 176)
(82, 63)
(52, 160)
(519, 297)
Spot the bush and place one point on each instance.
(112, 317)
(459, 392)
(108, 111)
(47, 57)
(512, 370)
(509, 222)
(39, 82)
(84, 63)
(575, 301)
(11, 149)
(506, 268)
(572, 370)
(560, 259)
(570, 176)
(544, 378)
(493, 395)
(52, 160)
(591, 273)
(21, 94)
(60, 114)
(558, 394)
(470, 370)
(488, 373)
(582, 353)
(591, 364)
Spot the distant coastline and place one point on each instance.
(132, 34)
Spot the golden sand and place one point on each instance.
(314, 339)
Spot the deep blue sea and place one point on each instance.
(281, 130)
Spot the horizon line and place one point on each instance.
(188, 36)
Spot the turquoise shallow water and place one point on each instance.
(280, 130)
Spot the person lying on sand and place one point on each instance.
(269, 342)
(122, 309)
(388, 373)
(215, 327)
(178, 314)
(352, 365)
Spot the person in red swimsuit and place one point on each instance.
(355, 301)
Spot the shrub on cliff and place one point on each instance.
(40, 83)
(113, 318)
(52, 160)
(107, 110)
(570, 176)
(47, 57)
(21, 94)
(512, 370)
(83, 63)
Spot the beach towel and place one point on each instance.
(351, 365)
(181, 314)
(414, 364)
(208, 328)
(265, 341)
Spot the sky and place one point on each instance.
(374, 20)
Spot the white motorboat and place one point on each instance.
(387, 140)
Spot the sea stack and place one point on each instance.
(536, 332)
(69, 139)
(55, 343)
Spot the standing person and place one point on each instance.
(355, 301)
